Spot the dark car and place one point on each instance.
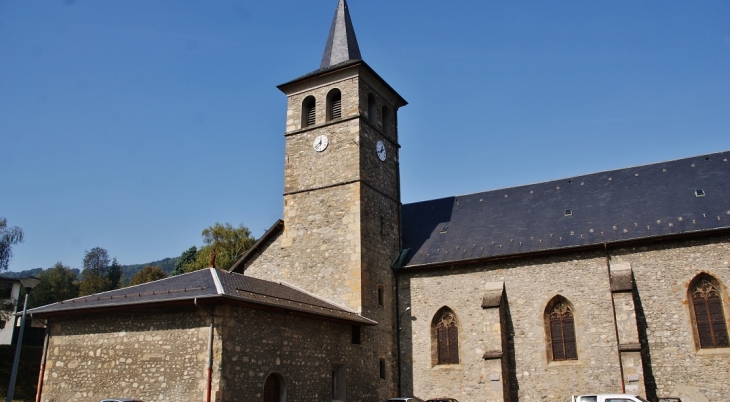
(442, 400)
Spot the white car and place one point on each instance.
(404, 399)
(608, 398)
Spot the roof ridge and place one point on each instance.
(217, 280)
(566, 178)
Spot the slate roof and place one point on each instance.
(208, 285)
(634, 203)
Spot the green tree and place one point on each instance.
(114, 274)
(58, 283)
(148, 274)
(229, 244)
(187, 257)
(9, 236)
(94, 276)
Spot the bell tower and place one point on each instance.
(341, 228)
(341, 186)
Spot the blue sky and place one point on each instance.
(133, 125)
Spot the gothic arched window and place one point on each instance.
(561, 330)
(709, 319)
(334, 104)
(446, 337)
(309, 111)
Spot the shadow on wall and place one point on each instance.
(642, 326)
(406, 338)
(511, 387)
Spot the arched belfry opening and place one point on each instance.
(334, 104)
(309, 111)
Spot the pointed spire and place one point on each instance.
(341, 44)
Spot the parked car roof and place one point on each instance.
(121, 400)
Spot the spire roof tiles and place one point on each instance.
(341, 43)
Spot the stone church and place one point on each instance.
(608, 282)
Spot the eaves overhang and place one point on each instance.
(332, 315)
(339, 67)
(639, 241)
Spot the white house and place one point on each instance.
(9, 290)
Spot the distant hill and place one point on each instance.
(166, 264)
(22, 274)
(128, 271)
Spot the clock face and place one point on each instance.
(380, 149)
(320, 143)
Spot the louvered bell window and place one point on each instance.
(447, 334)
(336, 112)
(709, 316)
(334, 104)
(309, 111)
(562, 333)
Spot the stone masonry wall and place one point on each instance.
(301, 350)
(154, 355)
(380, 247)
(319, 249)
(656, 315)
(662, 274)
(530, 285)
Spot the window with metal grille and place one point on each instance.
(709, 318)
(446, 330)
(561, 327)
(309, 111)
(334, 104)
